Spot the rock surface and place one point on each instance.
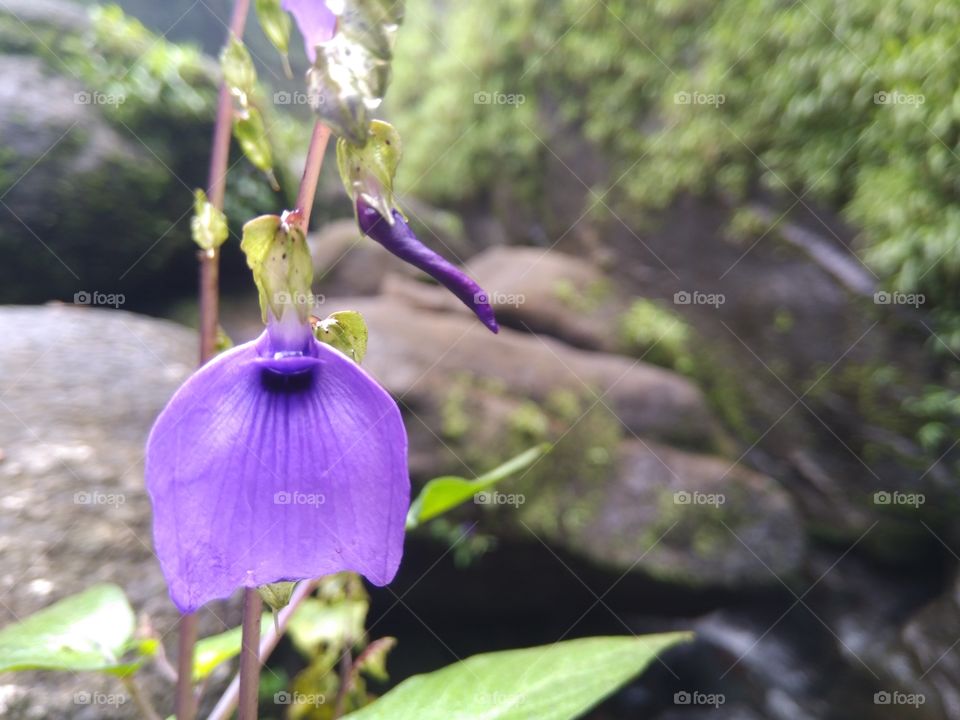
(79, 390)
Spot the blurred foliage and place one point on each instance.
(852, 107)
(852, 104)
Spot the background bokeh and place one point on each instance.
(722, 237)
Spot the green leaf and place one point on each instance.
(208, 224)
(275, 24)
(345, 330)
(251, 134)
(209, 652)
(553, 682)
(320, 623)
(444, 493)
(277, 595)
(239, 74)
(88, 631)
(369, 169)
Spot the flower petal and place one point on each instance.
(316, 22)
(265, 468)
(399, 239)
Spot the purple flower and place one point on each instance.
(399, 239)
(315, 20)
(281, 459)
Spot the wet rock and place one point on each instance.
(412, 351)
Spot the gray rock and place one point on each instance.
(79, 390)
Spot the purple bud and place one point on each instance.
(399, 239)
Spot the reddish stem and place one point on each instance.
(311, 172)
(250, 654)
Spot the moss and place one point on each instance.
(455, 420)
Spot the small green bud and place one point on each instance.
(277, 595)
(251, 134)
(239, 74)
(369, 169)
(208, 224)
(275, 23)
(278, 255)
(344, 330)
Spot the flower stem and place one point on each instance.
(268, 642)
(250, 654)
(186, 702)
(311, 172)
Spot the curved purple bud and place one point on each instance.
(399, 239)
(316, 22)
(274, 464)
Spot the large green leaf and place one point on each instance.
(211, 651)
(445, 493)
(553, 682)
(88, 631)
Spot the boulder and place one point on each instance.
(80, 389)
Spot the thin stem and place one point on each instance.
(140, 700)
(185, 703)
(250, 654)
(311, 172)
(346, 677)
(228, 701)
